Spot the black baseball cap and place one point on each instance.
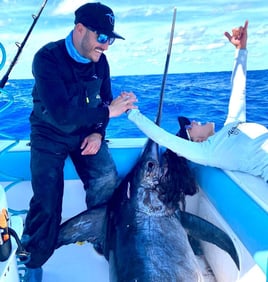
(98, 17)
(183, 121)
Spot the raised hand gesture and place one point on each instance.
(239, 36)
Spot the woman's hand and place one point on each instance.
(122, 103)
(239, 36)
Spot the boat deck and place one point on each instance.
(79, 263)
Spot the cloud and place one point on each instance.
(263, 30)
(68, 7)
(205, 47)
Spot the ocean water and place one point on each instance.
(200, 96)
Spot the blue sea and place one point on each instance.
(200, 96)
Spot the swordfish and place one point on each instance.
(145, 232)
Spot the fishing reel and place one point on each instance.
(5, 240)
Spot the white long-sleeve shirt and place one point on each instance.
(238, 146)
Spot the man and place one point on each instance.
(72, 104)
(238, 146)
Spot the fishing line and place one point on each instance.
(166, 68)
(3, 56)
(20, 46)
(10, 101)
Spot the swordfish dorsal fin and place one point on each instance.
(200, 228)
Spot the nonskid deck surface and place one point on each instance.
(76, 263)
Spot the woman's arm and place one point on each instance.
(192, 151)
(237, 102)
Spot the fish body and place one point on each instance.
(145, 233)
(146, 241)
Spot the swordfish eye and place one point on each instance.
(151, 166)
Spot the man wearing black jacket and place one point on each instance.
(72, 105)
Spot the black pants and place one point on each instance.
(97, 172)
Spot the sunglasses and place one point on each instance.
(187, 127)
(102, 38)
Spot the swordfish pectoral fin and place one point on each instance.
(86, 226)
(202, 229)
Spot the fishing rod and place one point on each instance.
(166, 68)
(20, 46)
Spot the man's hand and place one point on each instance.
(91, 144)
(239, 36)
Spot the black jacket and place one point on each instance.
(69, 97)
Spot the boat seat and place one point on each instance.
(254, 186)
(242, 201)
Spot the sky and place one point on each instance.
(198, 43)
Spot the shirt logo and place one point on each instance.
(234, 130)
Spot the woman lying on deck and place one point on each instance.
(238, 146)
